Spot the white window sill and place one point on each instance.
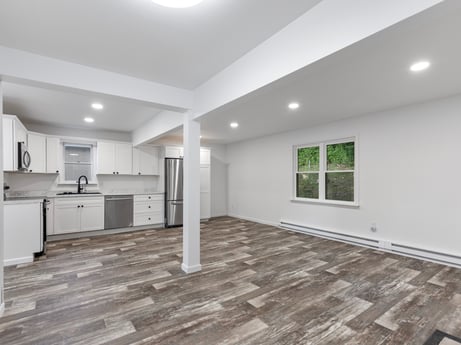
(326, 202)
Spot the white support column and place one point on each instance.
(2, 304)
(191, 227)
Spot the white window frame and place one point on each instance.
(91, 179)
(323, 170)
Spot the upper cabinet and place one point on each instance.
(13, 133)
(146, 160)
(174, 152)
(37, 150)
(114, 158)
(178, 152)
(53, 155)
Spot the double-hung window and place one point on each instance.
(327, 172)
(78, 160)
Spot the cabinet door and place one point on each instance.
(106, 158)
(174, 152)
(124, 159)
(23, 235)
(66, 218)
(8, 145)
(145, 160)
(92, 217)
(37, 150)
(53, 156)
(20, 132)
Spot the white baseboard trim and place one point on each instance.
(18, 261)
(385, 246)
(191, 269)
(2, 309)
(256, 220)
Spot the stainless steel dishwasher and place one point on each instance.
(118, 211)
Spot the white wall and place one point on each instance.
(410, 180)
(1, 199)
(218, 180)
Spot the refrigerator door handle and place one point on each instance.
(177, 203)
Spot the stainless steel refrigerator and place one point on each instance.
(173, 191)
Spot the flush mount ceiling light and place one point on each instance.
(177, 3)
(97, 106)
(88, 119)
(234, 124)
(293, 106)
(420, 66)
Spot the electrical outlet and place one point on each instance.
(373, 227)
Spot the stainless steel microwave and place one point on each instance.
(24, 159)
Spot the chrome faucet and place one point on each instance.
(80, 187)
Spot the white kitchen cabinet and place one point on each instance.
(174, 152)
(66, 218)
(124, 159)
(53, 155)
(36, 144)
(148, 209)
(78, 214)
(50, 217)
(115, 158)
(23, 235)
(92, 217)
(13, 132)
(145, 160)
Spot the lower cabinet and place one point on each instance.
(78, 214)
(148, 209)
(23, 234)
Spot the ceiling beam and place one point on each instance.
(23, 67)
(325, 29)
(161, 124)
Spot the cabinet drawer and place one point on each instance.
(93, 201)
(148, 197)
(148, 219)
(148, 207)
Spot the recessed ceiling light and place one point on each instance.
(201, 137)
(177, 3)
(420, 66)
(97, 106)
(234, 124)
(293, 105)
(88, 119)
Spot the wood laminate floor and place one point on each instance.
(259, 285)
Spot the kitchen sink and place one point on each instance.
(75, 193)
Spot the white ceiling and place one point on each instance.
(179, 47)
(67, 109)
(371, 75)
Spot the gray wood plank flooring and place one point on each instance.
(259, 285)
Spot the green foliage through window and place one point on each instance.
(341, 156)
(308, 158)
(307, 185)
(326, 171)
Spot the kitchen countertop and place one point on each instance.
(53, 195)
